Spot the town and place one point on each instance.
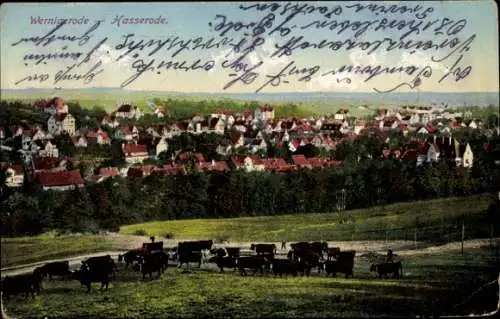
(243, 141)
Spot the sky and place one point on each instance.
(190, 20)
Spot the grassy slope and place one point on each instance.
(370, 223)
(430, 282)
(25, 250)
(109, 101)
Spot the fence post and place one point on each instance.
(463, 236)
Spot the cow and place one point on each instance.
(192, 246)
(343, 264)
(308, 260)
(26, 283)
(154, 262)
(58, 268)
(171, 252)
(319, 247)
(86, 276)
(300, 246)
(186, 257)
(388, 268)
(263, 248)
(333, 252)
(223, 262)
(149, 247)
(101, 262)
(219, 252)
(130, 256)
(256, 263)
(284, 266)
(233, 252)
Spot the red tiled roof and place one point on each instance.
(18, 168)
(60, 178)
(212, 166)
(60, 117)
(109, 171)
(300, 160)
(133, 149)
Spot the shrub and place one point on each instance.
(140, 232)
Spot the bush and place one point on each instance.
(140, 232)
(169, 235)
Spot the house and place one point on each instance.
(109, 120)
(79, 141)
(161, 146)
(381, 113)
(220, 166)
(341, 114)
(217, 125)
(48, 149)
(238, 140)
(433, 153)
(300, 161)
(62, 122)
(14, 175)
(135, 153)
(109, 171)
(257, 145)
(464, 155)
(98, 137)
(359, 125)
(126, 133)
(128, 111)
(60, 181)
(263, 114)
(160, 112)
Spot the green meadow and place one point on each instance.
(436, 219)
(432, 283)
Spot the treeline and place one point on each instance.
(119, 201)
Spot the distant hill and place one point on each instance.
(453, 99)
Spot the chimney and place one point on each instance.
(434, 139)
(213, 162)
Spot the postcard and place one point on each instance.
(250, 159)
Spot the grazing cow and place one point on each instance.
(333, 252)
(192, 246)
(256, 263)
(300, 246)
(171, 252)
(154, 262)
(130, 256)
(263, 248)
(105, 263)
(219, 252)
(308, 260)
(388, 268)
(186, 257)
(26, 283)
(284, 266)
(344, 264)
(221, 262)
(148, 247)
(58, 268)
(319, 247)
(87, 276)
(233, 252)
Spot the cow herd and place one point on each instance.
(153, 258)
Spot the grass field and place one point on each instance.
(25, 250)
(430, 283)
(437, 218)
